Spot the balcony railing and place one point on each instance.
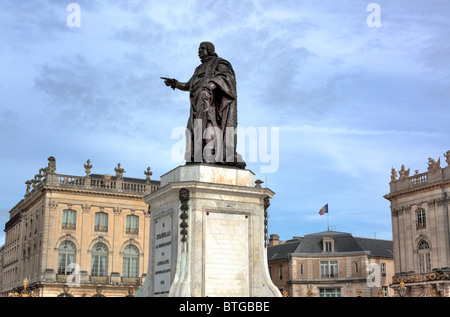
(69, 226)
(421, 225)
(132, 231)
(94, 279)
(423, 277)
(418, 179)
(135, 281)
(101, 228)
(98, 279)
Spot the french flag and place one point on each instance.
(324, 210)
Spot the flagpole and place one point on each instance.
(328, 221)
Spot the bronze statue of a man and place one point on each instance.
(211, 127)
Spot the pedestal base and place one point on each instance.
(208, 234)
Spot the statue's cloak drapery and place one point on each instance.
(222, 112)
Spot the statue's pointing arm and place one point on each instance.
(173, 83)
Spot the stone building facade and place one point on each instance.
(78, 235)
(420, 230)
(331, 264)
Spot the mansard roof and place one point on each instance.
(343, 242)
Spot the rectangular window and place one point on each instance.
(329, 269)
(383, 269)
(329, 292)
(324, 272)
(64, 259)
(301, 269)
(280, 275)
(130, 267)
(424, 263)
(132, 224)
(69, 219)
(334, 269)
(101, 222)
(328, 247)
(384, 290)
(356, 268)
(99, 265)
(421, 219)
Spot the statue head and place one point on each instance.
(206, 50)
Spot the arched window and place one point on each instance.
(132, 224)
(99, 260)
(130, 261)
(69, 219)
(424, 257)
(66, 256)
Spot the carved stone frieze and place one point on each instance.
(85, 208)
(53, 204)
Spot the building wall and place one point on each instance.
(348, 281)
(408, 195)
(35, 233)
(280, 280)
(349, 276)
(359, 273)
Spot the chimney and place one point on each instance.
(274, 240)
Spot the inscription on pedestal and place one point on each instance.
(226, 254)
(163, 255)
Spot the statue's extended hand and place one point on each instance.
(170, 82)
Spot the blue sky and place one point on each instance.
(349, 101)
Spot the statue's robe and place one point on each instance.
(219, 113)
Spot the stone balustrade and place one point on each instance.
(118, 183)
(402, 180)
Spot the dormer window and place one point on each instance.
(328, 244)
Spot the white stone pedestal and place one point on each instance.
(208, 235)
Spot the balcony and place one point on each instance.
(131, 281)
(132, 231)
(421, 277)
(98, 279)
(101, 228)
(69, 226)
(420, 225)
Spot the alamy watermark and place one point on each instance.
(74, 278)
(374, 18)
(374, 277)
(74, 18)
(257, 145)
